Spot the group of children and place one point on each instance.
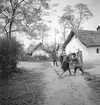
(65, 62)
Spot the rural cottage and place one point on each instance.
(39, 49)
(86, 41)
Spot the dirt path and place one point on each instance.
(68, 90)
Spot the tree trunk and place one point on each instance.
(64, 33)
(10, 27)
(42, 39)
(55, 39)
(11, 23)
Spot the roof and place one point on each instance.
(30, 48)
(88, 38)
(98, 27)
(39, 44)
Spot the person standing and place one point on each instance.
(62, 55)
(61, 58)
(54, 58)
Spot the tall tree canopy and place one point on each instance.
(22, 15)
(74, 17)
(43, 31)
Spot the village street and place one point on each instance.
(67, 90)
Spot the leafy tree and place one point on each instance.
(22, 15)
(43, 31)
(73, 18)
(63, 31)
(49, 48)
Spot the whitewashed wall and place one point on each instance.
(93, 55)
(74, 45)
(89, 54)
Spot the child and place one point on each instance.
(77, 64)
(65, 66)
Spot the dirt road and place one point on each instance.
(68, 90)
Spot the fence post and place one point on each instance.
(81, 57)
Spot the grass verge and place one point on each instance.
(93, 81)
(23, 88)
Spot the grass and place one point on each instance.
(88, 65)
(23, 88)
(93, 81)
(85, 66)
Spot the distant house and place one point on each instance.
(30, 49)
(39, 49)
(86, 41)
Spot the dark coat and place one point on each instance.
(61, 59)
(65, 65)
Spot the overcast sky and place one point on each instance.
(93, 5)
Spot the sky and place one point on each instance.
(93, 5)
(91, 24)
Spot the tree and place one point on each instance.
(56, 31)
(73, 18)
(43, 31)
(22, 15)
(63, 31)
(51, 48)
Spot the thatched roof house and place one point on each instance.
(87, 41)
(38, 49)
(30, 49)
(88, 38)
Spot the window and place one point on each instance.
(97, 50)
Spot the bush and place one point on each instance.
(35, 58)
(9, 52)
(43, 57)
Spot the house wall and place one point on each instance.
(74, 45)
(93, 55)
(89, 54)
(39, 51)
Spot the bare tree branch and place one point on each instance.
(5, 28)
(4, 14)
(16, 30)
(22, 16)
(11, 4)
(19, 3)
(74, 18)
